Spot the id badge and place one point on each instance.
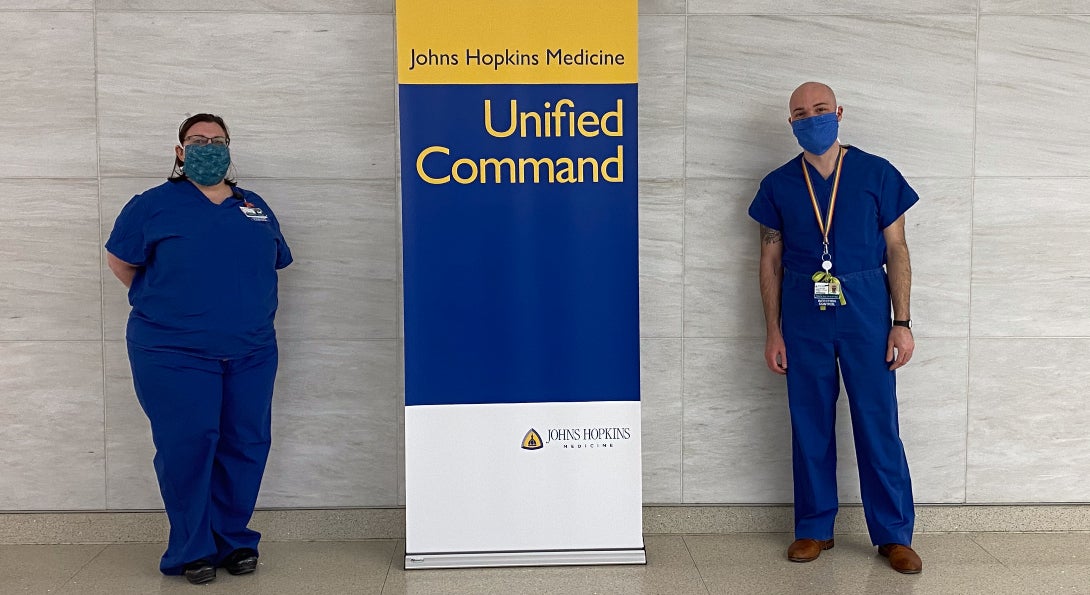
(826, 293)
(254, 213)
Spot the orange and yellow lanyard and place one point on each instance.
(826, 224)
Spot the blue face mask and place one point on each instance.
(206, 165)
(816, 133)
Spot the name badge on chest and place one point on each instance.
(827, 290)
(254, 213)
(827, 293)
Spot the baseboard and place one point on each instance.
(349, 524)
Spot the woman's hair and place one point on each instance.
(178, 173)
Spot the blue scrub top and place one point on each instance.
(872, 195)
(207, 283)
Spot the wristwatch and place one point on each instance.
(905, 323)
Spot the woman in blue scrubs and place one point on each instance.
(200, 258)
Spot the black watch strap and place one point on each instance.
(905, 323)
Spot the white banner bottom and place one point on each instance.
(523, 484)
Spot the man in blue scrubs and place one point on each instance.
(834, 262)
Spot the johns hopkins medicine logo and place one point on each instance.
(532, 440)
(576, 438)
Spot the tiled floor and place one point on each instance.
(955, 563)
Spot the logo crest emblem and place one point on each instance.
(532, 440)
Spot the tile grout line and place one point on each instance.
(972, 538)
(82, 567)
(101, 255)
(684, 220)
(700, 574)
(969, 292)
(390, 566)
(399, 282)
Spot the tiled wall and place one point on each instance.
(979, 102)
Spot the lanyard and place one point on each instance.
(827, 224)
(824, 226)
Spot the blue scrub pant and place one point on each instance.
(853, 335)
(211, 424)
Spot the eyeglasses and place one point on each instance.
(201, 141)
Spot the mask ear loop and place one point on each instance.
(179, 165)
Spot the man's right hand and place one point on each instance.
(776, 354)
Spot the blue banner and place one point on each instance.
(520, 243)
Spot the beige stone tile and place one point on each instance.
(1027, 424)
(305, 95)
(52, 458)
(910, 88)
(42, 568)
(939, 234)
(722, 249)
(1031, 76)
(661, 229)
(1028, 275)
(50, 288)
(343, 236)
(280, 6)
(50, 5)
(737, 435)
(811, 7)
(334, 425)
(661, 412)
(661, 97)
(48, 95)
(1023, 7)
(661, 7)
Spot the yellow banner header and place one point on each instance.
(517, 41)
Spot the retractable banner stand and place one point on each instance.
(519, 202)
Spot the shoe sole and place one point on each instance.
(204, 575)
(243, 567)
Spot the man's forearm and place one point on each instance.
(771, 288)
(771, 277)
(899, 271)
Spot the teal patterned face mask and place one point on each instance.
(206, 165)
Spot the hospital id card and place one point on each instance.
(254, 213)
(827, 293)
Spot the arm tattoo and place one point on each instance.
(770, 236)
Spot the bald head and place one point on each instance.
(811, 99)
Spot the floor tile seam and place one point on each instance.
(692, 559)
(973, 538)
(63, 582)
(390, 567)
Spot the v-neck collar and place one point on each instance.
(196, 193)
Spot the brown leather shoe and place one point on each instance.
(901, 558)
(807, 550)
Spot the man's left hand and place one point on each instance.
(899, 347)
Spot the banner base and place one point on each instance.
(497, 559)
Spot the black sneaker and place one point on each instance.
(200, 571)
(240, 561)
